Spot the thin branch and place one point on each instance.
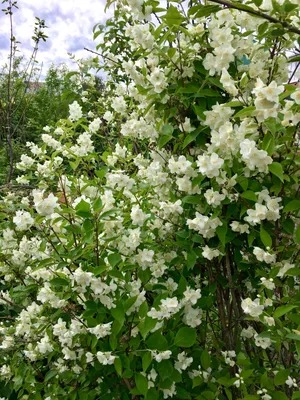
(251, 11)
(101, 55)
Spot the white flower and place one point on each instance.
(291, 382)
(262, 255)
(269, 321)
(23, 220)
(44, 206)
(214, 198)
(239, 381)
(101, 330)
(183, 362)
(210, 253)
(210, 165)
(296, 96)
(283, 270)
(138, 216)
(191, 296)
(105, 358)
(254, 158)
(248, 333)
(95, 125)
(252, 308)
(263, 342)
(75, 111)
(268, 283)
(161, 355)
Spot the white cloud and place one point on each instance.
(70, 24)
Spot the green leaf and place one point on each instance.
(282, 310)
(281, 377)
(279, 396)
(268, 143)
(59, 282)
(185, 337)
(97, 205)
(146, 326)
(118, 366)
(293, 336)
(263, 27)
(243, 182)
(163, 140)
(157, 342)
(191, 259)
(83, 206)
(152, 394)
(118, 313)
(192, 199)
(245, 112)
(221, 233)
(114, 259)
(249, 195)
(293, 205)
(129, 303)
(296, 395)
(190, 138)
(146, 361)
(98, 270)
(265, 237)
(50, 374)
(258, 3)
(202, 11)
(276, 169)
(141, 383)
(173, 17)
(167, 130)
(205, 359)
(165, 369)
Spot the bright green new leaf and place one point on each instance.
(173, 17)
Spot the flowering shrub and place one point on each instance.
(156, 254)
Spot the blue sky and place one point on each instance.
(70, 24)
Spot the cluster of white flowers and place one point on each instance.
(222, 42)
(84, 145)
(267, 99)
(268, 283)
(44, 205)
(254, 158)
(139, 128)
(23, 220)
(209, 165)
(183, 362)
(75, 111)
(238, 227)
(204, 225)
(210, 253)
(265, 256)
(270, 211)
(168, 307)
(214, 198)
(25, 163)
(228, 357)
(161, 355)
(261, 341)
(105, 358)
(253, 308)
(101, 330)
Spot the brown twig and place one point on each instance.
(251, 11)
